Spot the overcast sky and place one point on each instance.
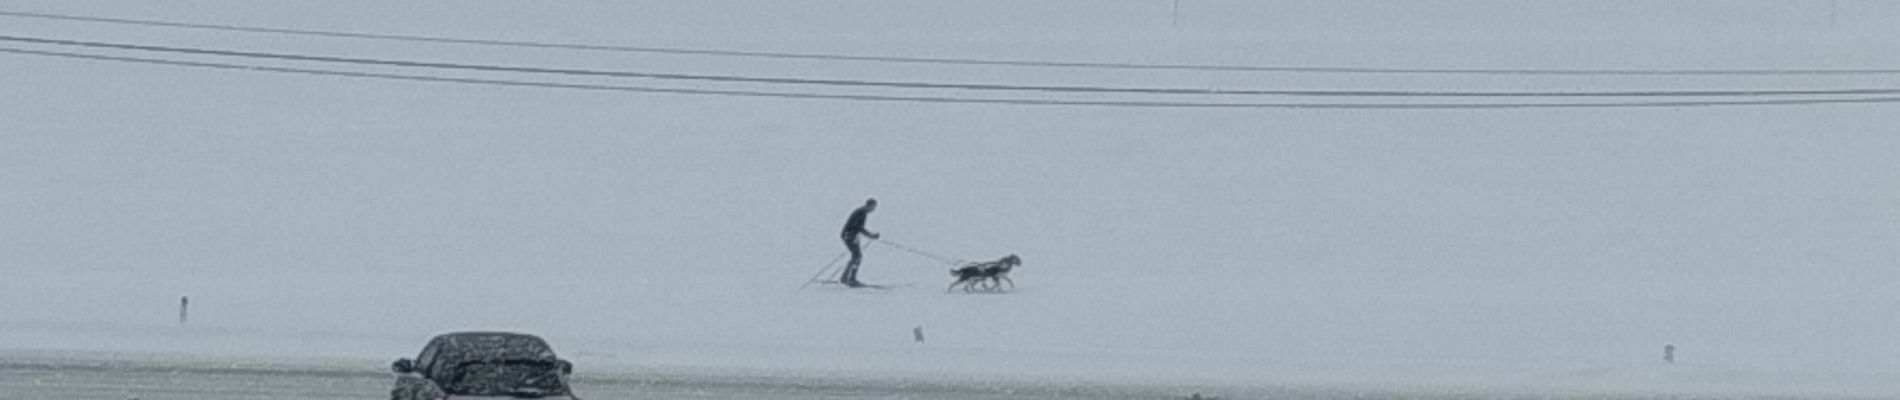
(354, 202)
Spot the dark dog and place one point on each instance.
(985, 275)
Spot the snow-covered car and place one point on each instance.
(465, 365)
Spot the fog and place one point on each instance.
(312, 215)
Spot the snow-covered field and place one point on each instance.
(68, 376)
(1535, 252)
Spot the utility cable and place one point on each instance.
(953, 61)
(952, 99)
(957, 86)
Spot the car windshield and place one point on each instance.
(517, 378)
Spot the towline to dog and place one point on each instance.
(925, 254)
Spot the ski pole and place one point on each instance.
(814, 277)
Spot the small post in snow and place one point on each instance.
(918, 333)
(1833, 12)
(184, 306)
(1175, 20)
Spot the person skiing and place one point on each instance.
(853, 227)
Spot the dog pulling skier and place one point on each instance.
(987, 275)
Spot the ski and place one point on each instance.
(862, 285)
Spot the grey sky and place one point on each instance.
(1764, 232)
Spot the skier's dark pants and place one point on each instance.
(851, 268)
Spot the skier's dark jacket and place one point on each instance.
(855, 225)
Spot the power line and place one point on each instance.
(958, 86)
(947, 61)
(946, 99)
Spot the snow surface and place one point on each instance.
(1535, 250)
